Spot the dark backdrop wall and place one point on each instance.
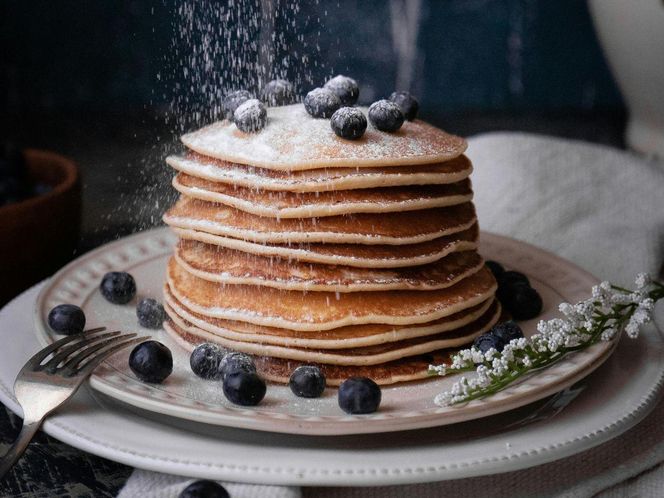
(122, 55)
(112, 83)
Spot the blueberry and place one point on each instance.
(348, 122)
(495, 267)
(487, 341)
(513, 277)
(236, 362)
(359, 395)
(385, 116)
(407, 103)
(232, 101)
(345, 88)
(150, 313)
(205, 360)
(151, 361)
(250, 116)
(307, 381)
(118, 287)
(278, 92)
(204, 489)
(522, 301)
(244, 388)
(321, 103)
(66, 319)
(507, 331)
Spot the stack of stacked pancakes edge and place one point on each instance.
(299, 247)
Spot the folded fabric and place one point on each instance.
(146, 484)
(602, 209)
(599, 207)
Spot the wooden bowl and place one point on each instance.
(40, 234)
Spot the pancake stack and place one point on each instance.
(299, 247)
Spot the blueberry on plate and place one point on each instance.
(359, 395)
(348, 122)
(278, 92)
(487, 341)
(236, 362)
(522, 301)
(407, 103)
(151, 361)
(513, 277)
(244, 388)
(150, 313)
(205, 360)
(232, 101)
(66, 319)
(204, 489)
(250, 116)
(118, 287)
(496, 268)
(321, 103)
(507, 331)
(385, 116)
(307, 381)
(345, 88)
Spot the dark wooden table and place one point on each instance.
(126, 189)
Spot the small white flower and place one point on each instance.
(578, 328)
(609, 334)
(642, 280)
(438, 369)
(647, 304)
(620, 298)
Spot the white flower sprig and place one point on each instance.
(609, 311)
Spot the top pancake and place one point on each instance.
(320, 180)
(292, 140)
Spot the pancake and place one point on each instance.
(318, 311)
(342, 338)
(293, 140)
(410, 227)
(367, 355)
(218, 264)
(320, 204)
(357, 256)
(321, 180)
(279, 370)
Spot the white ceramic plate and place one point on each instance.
(404, 406)
(616, 397)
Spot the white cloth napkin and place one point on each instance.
(596, 206)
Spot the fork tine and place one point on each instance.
(63, 354)
(96, 360)
(40, 355)
(71, 365)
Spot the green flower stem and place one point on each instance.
(616, 318)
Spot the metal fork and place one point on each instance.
(54, 374)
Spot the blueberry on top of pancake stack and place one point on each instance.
(351, 244)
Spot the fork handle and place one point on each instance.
(28, 431)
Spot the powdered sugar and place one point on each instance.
(293, 140)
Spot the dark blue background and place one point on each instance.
(474, 55)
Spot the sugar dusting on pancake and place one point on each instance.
(293, 140)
